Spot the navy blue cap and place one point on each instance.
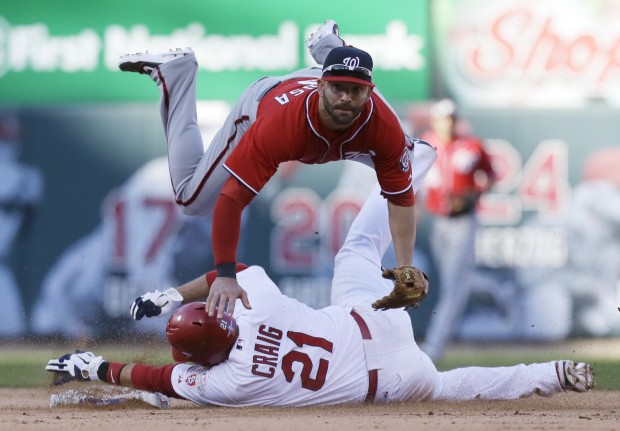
(348, 64)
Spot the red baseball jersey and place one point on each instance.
(456, 171)
(288, 128)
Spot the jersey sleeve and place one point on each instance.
(393, 166)
(259, 153)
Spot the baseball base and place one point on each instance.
(108, 395)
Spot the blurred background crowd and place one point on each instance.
(87, 216)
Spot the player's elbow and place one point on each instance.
(194, 210)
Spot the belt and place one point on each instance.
(373, 375)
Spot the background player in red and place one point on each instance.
(278, 119)
(453, 187)
(284, 353)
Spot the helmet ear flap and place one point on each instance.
(197, 337)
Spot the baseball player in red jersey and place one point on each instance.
(284, 353)
(311, 115)
(461, 173)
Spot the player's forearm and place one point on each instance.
(226, 228)
(403, 229)
(195, 290)
(125, 376)
(225, 234)
(198, 289)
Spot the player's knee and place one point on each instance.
(194, 210)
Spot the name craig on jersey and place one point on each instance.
(267, 347)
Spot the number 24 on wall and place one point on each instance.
(306, 226)
(541, 185)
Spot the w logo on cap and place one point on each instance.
(348, 64)
(351, 61)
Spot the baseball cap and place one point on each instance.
(348, 64)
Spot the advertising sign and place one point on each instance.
(529, 53)
(68, 51)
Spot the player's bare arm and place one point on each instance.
(125, 376)
(157, 303)
(403, 227)
(195, 290)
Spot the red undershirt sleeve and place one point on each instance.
(153, 379)
(405, 199)
(226, 228)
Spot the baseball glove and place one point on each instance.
(410, 288)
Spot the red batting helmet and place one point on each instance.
(196, 337)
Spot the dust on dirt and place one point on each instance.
(28, 409)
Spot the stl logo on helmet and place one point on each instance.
(191, 380)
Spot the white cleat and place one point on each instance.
(323, 40)
(328, 28)
(573, 376)
(145, 62)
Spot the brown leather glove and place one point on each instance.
(410, 288)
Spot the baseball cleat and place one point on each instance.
(573, 376)
(145, 62)
(329, 27)
(323, 40)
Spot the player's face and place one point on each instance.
(443, 127)
(342, 102)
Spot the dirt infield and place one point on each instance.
(28, 409)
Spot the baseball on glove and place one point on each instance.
(410, 288)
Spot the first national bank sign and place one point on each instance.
(63, 60)
(32, 47)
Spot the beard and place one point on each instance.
(342, 114)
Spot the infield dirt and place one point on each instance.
(28, 409)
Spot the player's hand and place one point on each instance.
(155, 303)
(463, 204)
(223, 294)
(80, 366)
(410, 288)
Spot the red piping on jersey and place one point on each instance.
(239, 179)
(164, 88)
(359, 129)
(324, 139)
(167, 105)
(373, 375)
(214, 165)
(396, 193)
(312, 127)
